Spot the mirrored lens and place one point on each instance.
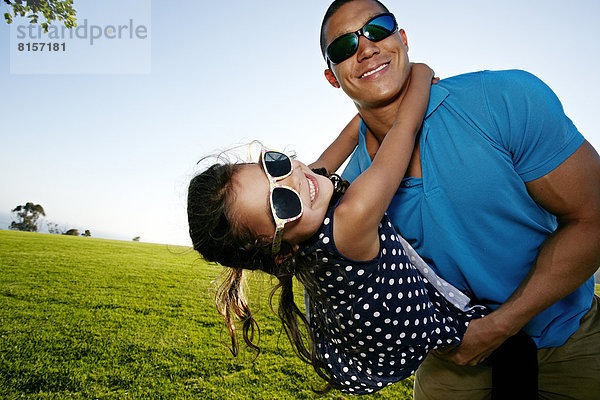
(286, 203)
(277, 164)
(380, 28)
(342, 48)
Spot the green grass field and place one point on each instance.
(101, 319)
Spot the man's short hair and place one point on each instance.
(333, 8)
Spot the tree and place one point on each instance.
(136, 239)
(54, 228)
(51, 10)
(87, 233)
(72, 232)
(27, 217)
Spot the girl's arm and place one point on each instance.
(337, 152)
(368, 197)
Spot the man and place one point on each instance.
(501, 197)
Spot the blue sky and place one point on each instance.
(114, 152)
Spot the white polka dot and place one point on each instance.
(326, 221)
(325, 240)
(383, 237)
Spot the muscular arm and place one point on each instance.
(567, 258)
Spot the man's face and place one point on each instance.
(376, 74)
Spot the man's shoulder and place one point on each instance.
(489, 78)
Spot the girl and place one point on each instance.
(375, 307)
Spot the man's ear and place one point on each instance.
(331, 78)
(403, 38)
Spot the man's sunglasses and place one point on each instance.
(285, 202)
(376, 29)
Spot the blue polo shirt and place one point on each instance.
(470, 217)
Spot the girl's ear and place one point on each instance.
(281, 257)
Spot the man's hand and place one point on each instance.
(483, 336)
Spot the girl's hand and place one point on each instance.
(421, 67)
(425, 67)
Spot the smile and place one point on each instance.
(371, 72)
(312, 188)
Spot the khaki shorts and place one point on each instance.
(571, 371)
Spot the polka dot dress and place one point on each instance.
(382, 316)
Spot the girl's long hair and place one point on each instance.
(217, 237)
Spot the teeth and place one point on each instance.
(373, 71)
(312, 190)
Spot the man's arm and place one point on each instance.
(567, 258)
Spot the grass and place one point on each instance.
(92, 318)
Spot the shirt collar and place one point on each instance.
(437, 95)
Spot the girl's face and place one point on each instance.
(251, 205)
